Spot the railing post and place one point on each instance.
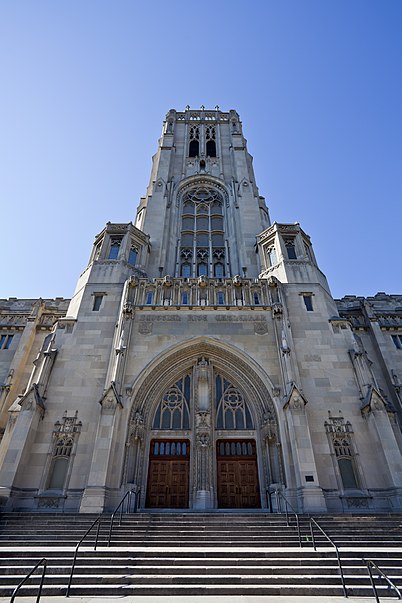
(312, 535)
(286, 511)
(17, 588)
(97, 535)
(41, 581)
(370, 563)
(298, 530)
(372, 582)
(341, 572)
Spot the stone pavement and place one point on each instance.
(200, 599)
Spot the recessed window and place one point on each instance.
(132, 256)
(271, 255)
(202, 269)
(256, 299)
(114, 248)
(97, 302)
(184, 298)
(149, 297)
(397, 339)
(202, 236)
(186, 270)
(290, 248)
(218, 270)
(5, 341)
(210, 137)
(194, 146)
(308, 302)
(221, 298)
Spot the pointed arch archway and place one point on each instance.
(213, 402)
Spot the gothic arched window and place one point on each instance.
(64, 439)
(344, 457)
(232, 412)
(210, 138)
(202, 250)
(194, 146)
(340, 435)
(173, 410)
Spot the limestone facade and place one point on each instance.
(202, 360)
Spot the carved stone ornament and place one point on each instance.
(49, 502)
(109, 404)
(128, 309)
(373, 401)
(260, 328)
(296, 401)
(110, 399)
(33, 400)
(272, 282)
(357, 503)
(136, 428)
(145, 327)
(203, 440)
(203, 419)
(277, 310)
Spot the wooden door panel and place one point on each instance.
(168, 479)
(237, 478)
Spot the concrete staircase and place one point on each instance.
(187, 554)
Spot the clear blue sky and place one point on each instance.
(85, 86)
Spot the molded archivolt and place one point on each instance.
(202, 181)
(239, 368)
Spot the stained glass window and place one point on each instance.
(173, 410)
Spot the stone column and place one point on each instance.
(134, 448)
(311, 498)
(94, 497)
(24, 417)
(380, 424)
(202, 485)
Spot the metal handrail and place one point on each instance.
(369, 563)
(128, 496)
(17, 588)
(97, 521)
(287, 504)
(313, 521)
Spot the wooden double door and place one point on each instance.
(238, 486)
(237, 474)
(168, 476)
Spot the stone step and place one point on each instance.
(11, 571)
(27, 562)
(190, 555)
(181, 590)
(197, 578)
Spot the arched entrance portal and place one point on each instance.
(204, 434)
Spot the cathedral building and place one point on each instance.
(202, 360)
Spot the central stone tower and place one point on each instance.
(202, 205)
